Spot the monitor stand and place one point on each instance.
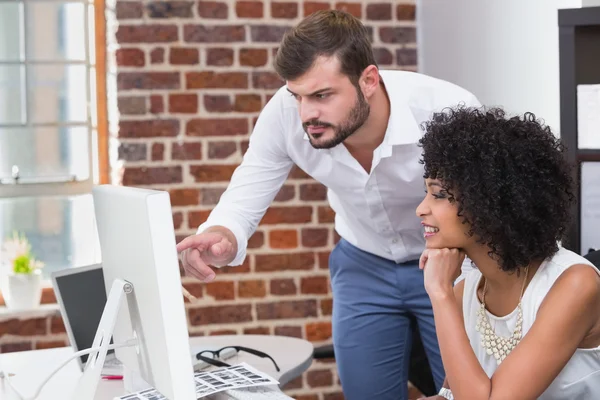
(92, 371)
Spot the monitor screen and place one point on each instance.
(84, 297)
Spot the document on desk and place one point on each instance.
(210, 382)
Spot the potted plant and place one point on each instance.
(22, 275)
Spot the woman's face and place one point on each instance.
(443, 228)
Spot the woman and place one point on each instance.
(525, 323)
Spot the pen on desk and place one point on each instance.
(188, 295)
(113, 377)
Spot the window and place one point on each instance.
(49, 128)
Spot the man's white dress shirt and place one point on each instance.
(373, 211)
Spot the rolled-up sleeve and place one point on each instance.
(257, 180)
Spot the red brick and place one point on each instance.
(318, 331)
(287, 309)
(170, 9)
(129, 10)
(217, 127)
(266, 80)
(221, 150)
(313, 192)
(260, 330)
(305, 396)
(284, 262)
(214, 34)
(283, 287)
(253, 57)
(287, 215)
(298, 173)
(253, 288)
(212, 173)
(326, 306)
(284, 10)
(184, 56)
(158, 152)
(15, 347)
(340, 396)
(400, 35)
(23, 327)
(315, 237)
(238, 269)
(132, 151)
(49, 344)
(132, 105)
(319, 378)
(406, 57)
(184, 197)
(379, 11)
(186, 151)
(286, 193)
(177, 220)
(336, 237)
(283, 239)
(195, 218)
(48, 296)
(314, 285)
(218, 103)
(352, 8)
(312, 6)
(223, 332)
(130, 57)
(222, 314)
(216, 80)
(157, 55)
(150, 33)
(133, 176)
(157, 105)
(383, 56)
(212, 9)
(196, 289)
(186, 103)
(211, 196)
(57, 325)
(324, 259)
(247, 103)
(219, 57)
(257, 240)
(268, 33)
(297, 384)
(406, 12)
(326, 214)
(244, 144)
(249, 9)
(149, 128)
(221, 290)
(291, 331)
(147, 80)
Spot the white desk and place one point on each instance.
(293, 356)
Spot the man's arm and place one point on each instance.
(255, 182)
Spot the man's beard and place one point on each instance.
(356, 118)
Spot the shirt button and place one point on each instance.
(395, 240)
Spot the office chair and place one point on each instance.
(419, 372)
(593, 256)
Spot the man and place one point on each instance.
(354, 129)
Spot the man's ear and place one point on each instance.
(369, 80)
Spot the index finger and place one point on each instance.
(201, 241)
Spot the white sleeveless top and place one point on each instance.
(580, 378)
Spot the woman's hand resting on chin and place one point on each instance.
(441, 267)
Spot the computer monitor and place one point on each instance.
(81, 295)
(137, 244)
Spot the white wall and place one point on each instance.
(504, 51)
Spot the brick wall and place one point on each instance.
(190, 78)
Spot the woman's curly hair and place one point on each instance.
(508, 176)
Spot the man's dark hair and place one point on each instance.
(509, 177)
(325, 33)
